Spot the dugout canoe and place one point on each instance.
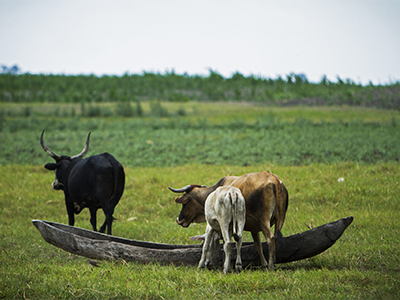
(100, 246)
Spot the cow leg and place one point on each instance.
(206, 247)
(271, 241)
(238, 265)
(70, 211)
(264, 219)
(108, 221)
(103, 227)
(93, 217)
(241, 220)
(227, 247)
(257, 245)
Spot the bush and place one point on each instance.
(178, 97)
(27, 111)
(139, 109)
(181, 112)
(157, 109)
(93, 111)
(124, 109)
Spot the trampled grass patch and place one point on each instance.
(363, 264)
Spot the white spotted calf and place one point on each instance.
(225, 213)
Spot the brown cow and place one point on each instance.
(266, 199)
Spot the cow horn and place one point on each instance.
(48, 151)
(184, 189)
(85, 150)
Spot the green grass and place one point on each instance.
(363, 264)
(217, 112)
(201, 145)
(238, 134)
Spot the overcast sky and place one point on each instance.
(354, 39)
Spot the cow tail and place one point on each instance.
(118, 171)
(235, 225)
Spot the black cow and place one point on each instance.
(94, 182)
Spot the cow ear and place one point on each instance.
(182, 200)
(51, 166)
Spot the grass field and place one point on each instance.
(234, 134)
(363, 264)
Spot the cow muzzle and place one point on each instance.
(183, 223)
(180, 222)
(56, 185)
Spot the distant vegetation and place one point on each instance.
(175, 134)
(289, 90)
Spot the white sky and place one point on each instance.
(356, 39)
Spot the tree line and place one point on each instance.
(293, 89)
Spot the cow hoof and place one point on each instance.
(239, 269)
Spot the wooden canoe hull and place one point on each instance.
(99, 246)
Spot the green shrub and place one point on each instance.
(93, 111)
(106, 112)
(181, 112)
(139, 109)
(178, 97)
(124, 109)
(27, 111)
(157, 110)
